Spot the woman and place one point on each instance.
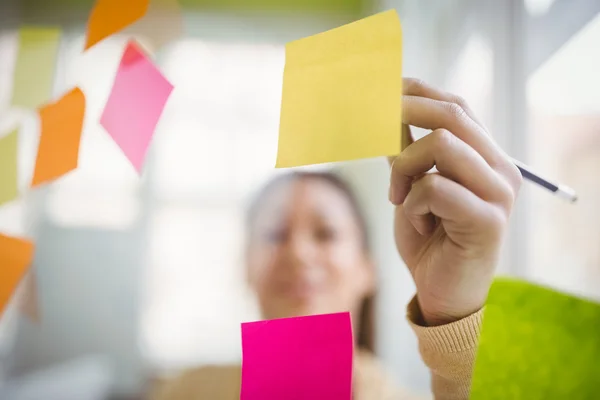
(308, 251)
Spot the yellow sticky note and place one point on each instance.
(342, 94)
(35, 67)
(9, 189)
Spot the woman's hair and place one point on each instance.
(366, 330)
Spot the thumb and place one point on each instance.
(405, 140)
(409, 241)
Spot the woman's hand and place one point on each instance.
(449, 225)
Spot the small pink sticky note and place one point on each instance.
(137, 99)
(298, 358)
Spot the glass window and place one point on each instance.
(195, 290)
(102, 192)
(472, 76)
(564, 113)
(538, 7)
(220, 143)
(12, 215)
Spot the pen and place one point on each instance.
(561, 191)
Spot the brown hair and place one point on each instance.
(366, 330)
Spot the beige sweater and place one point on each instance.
(448, 351)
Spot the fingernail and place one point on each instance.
(394, 195)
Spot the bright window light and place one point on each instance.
(473, 75)
(12, 219)
(216, 143)
(192, 159)
(195, 290)
(95, 209)
(221, 124)
(538, 7)
(564, 84)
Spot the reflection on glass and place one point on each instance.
(564, 111)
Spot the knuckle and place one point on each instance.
(460, 101)
(496, 220)
(455, 110)
(411, 83)
(430, 184)
(442, 139)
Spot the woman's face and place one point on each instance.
(306, 253)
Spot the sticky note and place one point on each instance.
(537, 343)
(35, 66)
(61, 124)
(111, 16)
(135, 104)
(342, 93)
(298, 358)
(9, 184)
(15, 256)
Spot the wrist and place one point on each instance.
(438, 316)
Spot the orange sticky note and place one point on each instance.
(15, 256)
(61, 125)
(111, 16)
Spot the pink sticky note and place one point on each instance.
(298, 358)
(135, 104)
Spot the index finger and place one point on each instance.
(416, 87)
(434, 114)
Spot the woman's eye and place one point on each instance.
(325, 234)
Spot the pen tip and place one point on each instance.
(567, 193)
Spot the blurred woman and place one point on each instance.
(308, 250)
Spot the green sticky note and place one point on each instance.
(9, 189)
(537, 343)
(35, 66)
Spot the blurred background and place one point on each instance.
(139, 278)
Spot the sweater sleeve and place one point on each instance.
(449, 352)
